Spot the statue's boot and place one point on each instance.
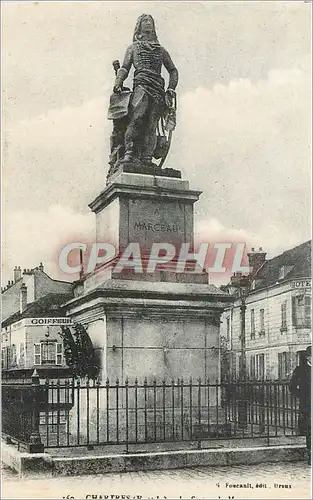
(131, 159)
(147, 161)
(129, 155)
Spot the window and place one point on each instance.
(227, 328)
(283, 365)
(260, 366)
(300, 358)
(284, 316)
(252, 319)
(48, 353)
(257, 367)
(262, 322)
(301, 311)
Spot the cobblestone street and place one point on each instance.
(287, 480)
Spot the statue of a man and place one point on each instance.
(149, 99)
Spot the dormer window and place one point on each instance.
(281, 273)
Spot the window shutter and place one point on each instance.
(252, 366)
(284, 315)
(252, 319)
(284, 355)
(59, 353)
(294, 311)
(261, 371)
(13, 354)
(233, 364)
(307, 311)
(279, 365)
(37, 354)
(262, 321)
(288, 364)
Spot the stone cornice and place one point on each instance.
(143, 305)
(148, 192)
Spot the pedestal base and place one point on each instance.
(154, 170)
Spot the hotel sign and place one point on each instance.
(301, 284)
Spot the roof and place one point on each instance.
(50, 305)
(43, 285)
(297, 264)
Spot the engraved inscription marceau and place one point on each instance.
(157, 227)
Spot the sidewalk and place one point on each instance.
(278, 480)
(75, 461)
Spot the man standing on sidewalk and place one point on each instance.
(300, 387)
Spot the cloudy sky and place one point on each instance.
(243, 133)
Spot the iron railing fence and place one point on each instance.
(70, 413)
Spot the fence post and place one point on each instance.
(242, 405)
(35, 445)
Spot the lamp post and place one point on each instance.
(242, 283)
(243, 291)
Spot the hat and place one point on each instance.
(308, 351)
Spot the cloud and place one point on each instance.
(247, 146)
(54, 154)
(268, 236)
(78, 126)
(32, 237)
(272, 238)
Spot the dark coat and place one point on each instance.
(300, 387)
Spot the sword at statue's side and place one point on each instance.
(170, 124)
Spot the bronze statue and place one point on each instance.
(144, 117)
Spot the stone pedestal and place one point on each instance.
(162, 324)
(145, 209)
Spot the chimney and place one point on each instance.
(40, 267)
(17, 273)
(256, 258)
(23, 298)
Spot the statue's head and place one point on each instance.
(145, 27)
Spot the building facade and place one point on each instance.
(277, 316)
(32, 316)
